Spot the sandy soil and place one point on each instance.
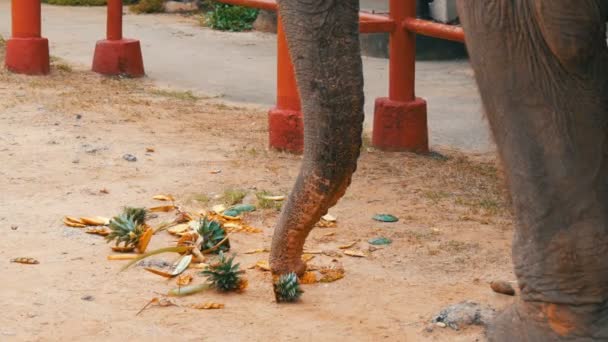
(62, 139)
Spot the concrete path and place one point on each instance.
(241, 67)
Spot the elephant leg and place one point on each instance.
(323, 40)
(542, 71)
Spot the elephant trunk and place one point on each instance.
(323, 41)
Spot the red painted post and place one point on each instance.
(400, 122)
(117, 55)
(26, 51)
(285, 124)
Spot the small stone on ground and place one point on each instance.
(464, 314)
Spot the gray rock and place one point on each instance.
(464, 314)
(129, 157)
(154, 263)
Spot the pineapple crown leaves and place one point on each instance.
(224, 275)
(212, 232)
(127, 227)
(287, 288)
(139, 215)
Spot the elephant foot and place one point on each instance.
(537, 321)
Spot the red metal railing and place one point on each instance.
(400, 119)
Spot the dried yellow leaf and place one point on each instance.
(349, 245)
(73, 224)
(144, 240)
(150, 149)
(72, 219)
(259, 250)
(331, 274)
(308, 278)
(233, 227)
(162, 302)
(121, 249)
(312, 251)
(179, 229)
(207, 306)
(326, 224)
(167, 198)
(355, 253)
(230, 218)
(263, 265)
(98, 231)
(218, 208)
(273, 198)
(25, 260)
(307, 257)
(198, 266)
(159, 272)
(123, 256)
(184, 279)
(95, 221)
(162, 209)
(329, 218)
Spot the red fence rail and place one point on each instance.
(400, 120)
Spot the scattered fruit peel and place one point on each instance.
(386, 218)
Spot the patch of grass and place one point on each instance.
(264, 203)
(226, 17)
(148, 6)
(176, 94)
(454, 246)
(63, 67)
(60, 64)
(435, 196)
(234, 196)
(201, 198)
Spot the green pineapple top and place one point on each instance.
(224, 276)
(287, 288)
(127, 227)
(212, 233)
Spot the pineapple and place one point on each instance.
(287, 288)
(224, 276)
(128, 227)
(212, 233)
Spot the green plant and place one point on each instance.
(224, 276)
(128, 227)
(287, 288)
(225, 17)
(234, 196)
(212, 233)
(148, 6)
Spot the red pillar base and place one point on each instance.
(28, 56)
(118, 57)
(400, 126)
(286, 130)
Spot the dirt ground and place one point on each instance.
(62, 139)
